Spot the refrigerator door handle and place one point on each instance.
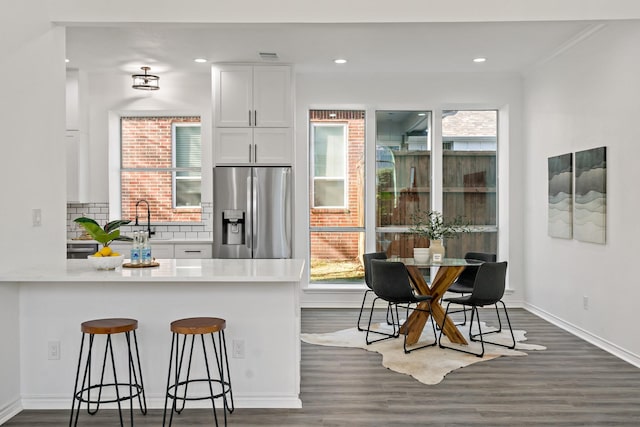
(286, 208)
(254, 209)
(249, 226)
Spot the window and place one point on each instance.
(404, 165)
(161, 163)
(336, 217)
(329, 165)
(186, 161)
(403, 177)
(469, 165)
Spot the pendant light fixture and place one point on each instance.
(145, 81)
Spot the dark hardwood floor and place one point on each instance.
(571, 383)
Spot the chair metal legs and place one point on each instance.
(433, 326)
(475, 313)
(394, 322)
(390, 318)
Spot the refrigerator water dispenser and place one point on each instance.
(232, 227)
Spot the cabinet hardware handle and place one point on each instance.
(192, 252)
(249, 153)
(255, 153)
(249, 117)
(255, 117)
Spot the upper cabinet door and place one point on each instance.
(272, 96)
(233, 92)
(248, 96)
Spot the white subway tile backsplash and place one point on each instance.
(100, 212)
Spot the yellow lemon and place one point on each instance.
(97, 254)
(115, 254)
(106, 251)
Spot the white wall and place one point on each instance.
(418, 91)
(112, 93)
(10, 351)
(32, 164)
(584, 98)
(193, 11)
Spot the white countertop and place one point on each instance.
(170, 270)
(154, 240)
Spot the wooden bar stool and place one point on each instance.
(178, 383)
(123, 390)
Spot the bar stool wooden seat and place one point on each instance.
(179, 380)
(121, 390)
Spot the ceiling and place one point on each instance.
(393, 47)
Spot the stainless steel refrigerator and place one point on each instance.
(252, 212)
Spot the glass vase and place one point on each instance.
(436, 249)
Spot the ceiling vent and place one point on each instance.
(268, 56)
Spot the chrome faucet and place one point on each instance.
(149, 233)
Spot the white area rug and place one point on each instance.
(428, 365)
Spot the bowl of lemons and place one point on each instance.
(106, 259)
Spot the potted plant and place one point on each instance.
(431, 224)
(104, 258)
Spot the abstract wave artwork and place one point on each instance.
(560, 196)
(590, 213)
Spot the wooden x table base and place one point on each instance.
(414, 325)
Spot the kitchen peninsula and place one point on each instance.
(259, 298)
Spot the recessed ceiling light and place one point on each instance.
(479, 59)
(66, 60)
(422, 114)
(200, 60)
(340, 61)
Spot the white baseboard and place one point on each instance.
(10, 411)
(157, 402)
(329, 296)
(607, 346)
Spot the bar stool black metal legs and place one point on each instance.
(133, 388)
(179, 377)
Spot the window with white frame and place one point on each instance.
(160, 161)
(329, 148)
(187, 160)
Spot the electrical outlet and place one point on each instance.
(36, 217)
(53, 350)
(238, 349)
(585, 302)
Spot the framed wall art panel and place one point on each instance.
(560, 208)
(590, 205)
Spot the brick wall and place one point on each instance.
(342, 245)
(146, 143)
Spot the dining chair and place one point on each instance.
(390, 282)
(366, 260)
(488, 289)
(464, 282)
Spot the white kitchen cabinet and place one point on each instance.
(253, 146)
(169, 250)
(200, 250)
(162, 251)
(252, 96)
(77, 156)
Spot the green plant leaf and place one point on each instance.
(104, 235)
(84, 220)
(115, 224)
